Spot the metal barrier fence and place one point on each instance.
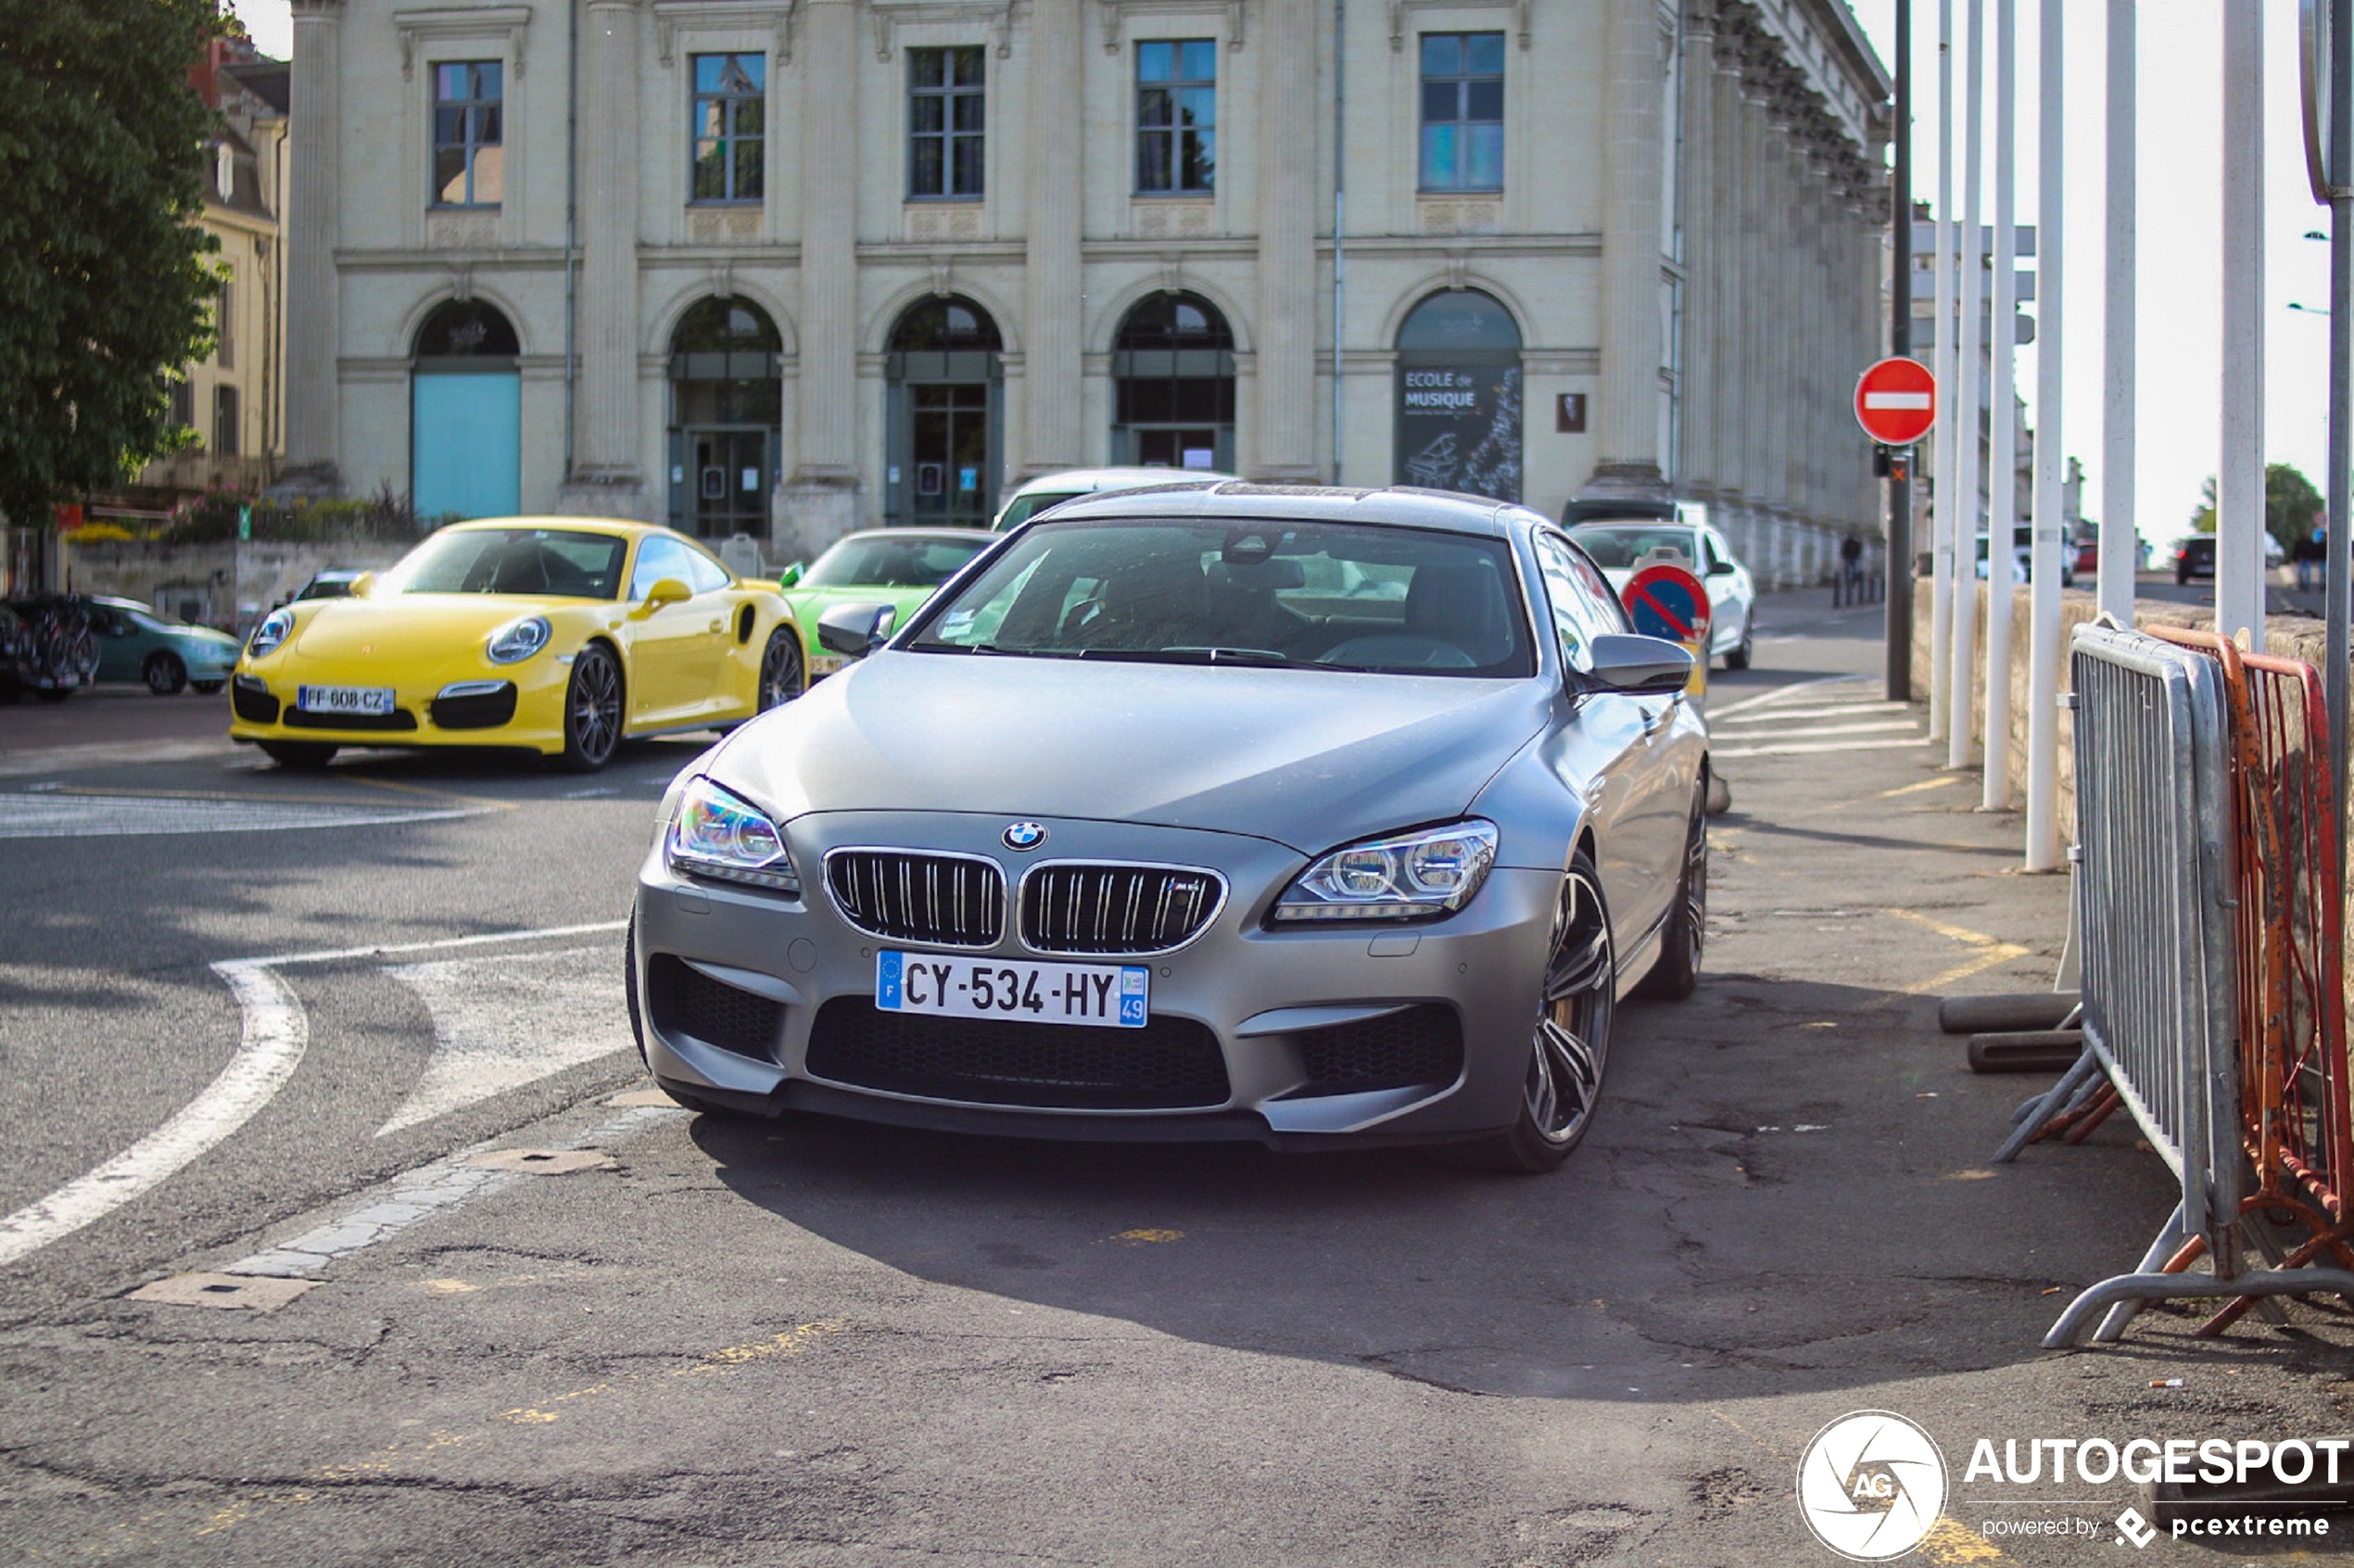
(2178, 876)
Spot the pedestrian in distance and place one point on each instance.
(1851, 571)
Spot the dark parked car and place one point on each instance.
(2195, 557)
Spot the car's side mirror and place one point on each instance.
(1643, 665)
(667, 590)
(1722, 569)
(361, 584)
(791, 574)
(855, 630)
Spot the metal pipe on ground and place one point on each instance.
(2015, 1010)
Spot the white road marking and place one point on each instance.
(1808, 746)
(60, 816)
(1805, 731)
(501, 1022)
(56, 759)
(1779, 693)
(275, 1034)
(277, 1031)
(1833, 710)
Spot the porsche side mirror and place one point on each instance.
(1644, 666)
(361, 584)
(855, 630)
(791, 574)
(667, 590)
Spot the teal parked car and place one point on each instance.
(136, 643)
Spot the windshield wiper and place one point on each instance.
(1266, 658)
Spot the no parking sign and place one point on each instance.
(1667, 601)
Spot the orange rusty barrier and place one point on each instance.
(2294, 1090)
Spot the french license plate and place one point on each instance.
(344, 699)
(1101, 995)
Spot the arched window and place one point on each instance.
(1173, 367)
(726, 394)
(465, 414)
(1459, 396)
(944, 420)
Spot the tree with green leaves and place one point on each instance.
(2291, 505)
(105, 283)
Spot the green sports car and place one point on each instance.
(137, 643)
(900, 567)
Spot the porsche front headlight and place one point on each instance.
(1407, 876)
(518, 640)
(721, 835)
(275, 628)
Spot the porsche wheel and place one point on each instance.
(780, 669)
(592, 710)
(1570, 1043)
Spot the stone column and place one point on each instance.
(1761, 389)
(1726, 405)
(607, 478)
(1051, 371)
(1286, 441)
(820, 501)
(314, 229)
(1702, 471)
(1628, 420)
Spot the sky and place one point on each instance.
(2179, 369)
(2179, 416)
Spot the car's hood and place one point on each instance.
(205, 635)
(340, 628)
(1306, 757)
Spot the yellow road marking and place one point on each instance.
(1957, 934)
(1147, 1237)
(1950, 1540)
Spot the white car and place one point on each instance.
(1053, 489)
(1624, 547)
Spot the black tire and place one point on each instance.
(2181, 576)
(782, 671)
(1675, 975)
(1739, 656)
(1570, 1048)
(165, 675)
(592, 711)
(303, 756)
(205, 688)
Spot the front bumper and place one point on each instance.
(464, 701)
(1274, 1003)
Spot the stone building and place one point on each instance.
(788, 267)
(234, 398)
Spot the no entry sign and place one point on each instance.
(1667, 601)
(1896, 401)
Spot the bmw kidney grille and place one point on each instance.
(1117, 909)
(940, 900)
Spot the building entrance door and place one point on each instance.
(731, 474)
(949, 447)
(944, 422)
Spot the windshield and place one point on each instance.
(533, 560)
(1021, 509)
(1627, 543)
(913, 561)
(1315, 595)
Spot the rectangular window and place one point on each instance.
(183, 404)
(224, 327)
(731, 127)
(469, 133)
(1463, 111)
(224, 420)
(1177, 117)
(943, 122)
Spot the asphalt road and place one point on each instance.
(678, 1340)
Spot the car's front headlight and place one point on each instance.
(518, 640)
(275, 628)
(1407, 876)
(719, 835)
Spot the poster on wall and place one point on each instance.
(1459, 429)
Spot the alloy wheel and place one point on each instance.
(1573, 1027)
(779, 669)
(596, 707)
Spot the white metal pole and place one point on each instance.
(2043, 601)
(2120, 538)
(1945, 488)
(2239, 489)
(1969, 458)
(2001, 459)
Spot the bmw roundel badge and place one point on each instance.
(1024, 836)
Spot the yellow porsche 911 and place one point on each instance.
(557, 635)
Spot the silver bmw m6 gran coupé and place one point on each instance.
(1229, 810)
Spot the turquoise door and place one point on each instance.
(466, 443)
